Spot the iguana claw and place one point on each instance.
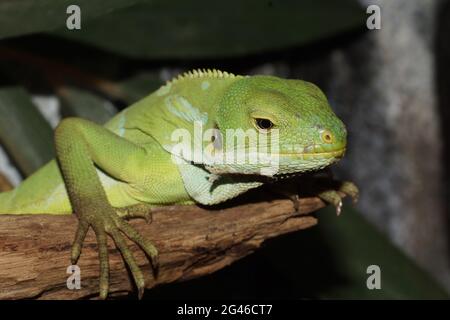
(350, 189)
(333, 197)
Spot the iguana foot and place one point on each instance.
(334, 197)
(106, 221)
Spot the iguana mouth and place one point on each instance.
(338, 154)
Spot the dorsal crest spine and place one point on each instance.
(202, 73)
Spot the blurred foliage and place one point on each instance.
(128, 42)
(24, 132)
(205, 28)
(83, 104)
(23, 17)
(179, 29)
(139, 86)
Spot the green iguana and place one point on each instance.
(137, 160)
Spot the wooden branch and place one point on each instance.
(193, 241)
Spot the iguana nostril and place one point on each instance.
(327, 136)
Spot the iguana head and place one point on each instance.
(310, 135)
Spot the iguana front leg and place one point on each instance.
(80, 146)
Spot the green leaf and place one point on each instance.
(83, 104)
(24, 132)
(205, 28)
(21, 17)
(139, 86)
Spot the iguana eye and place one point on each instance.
(264, 124)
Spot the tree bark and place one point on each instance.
(192, 241)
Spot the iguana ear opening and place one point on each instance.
(217, 138)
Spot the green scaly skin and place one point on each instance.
(107, 174)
